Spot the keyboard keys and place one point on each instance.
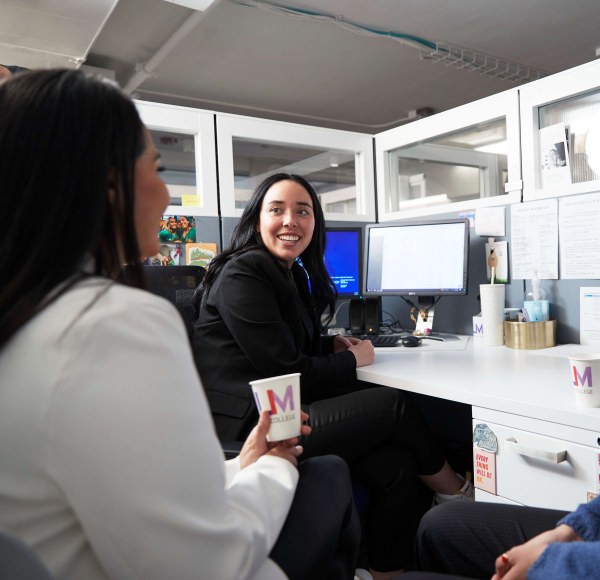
(381, 339)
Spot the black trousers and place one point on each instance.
(321, 535)
(464, 539)
(385, 440)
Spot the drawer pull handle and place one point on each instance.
(552, 456)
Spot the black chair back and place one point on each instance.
(177, 284)
(18, 561)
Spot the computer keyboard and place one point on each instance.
(381, 339)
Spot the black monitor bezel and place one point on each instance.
(412, 291)
(360, 232)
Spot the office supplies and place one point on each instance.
(530, 335)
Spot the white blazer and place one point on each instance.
(109, 463)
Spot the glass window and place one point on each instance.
(459, 166)
(178, 157)
(331, 172)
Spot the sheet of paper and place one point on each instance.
(534, 236)
(579, 232)
(589, 315)
(490, 221)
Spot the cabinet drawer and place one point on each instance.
(538, 470)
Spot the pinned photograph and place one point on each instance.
(554, 155)
(200, 254)
(169, 255)
(174, 228)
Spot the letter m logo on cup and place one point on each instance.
(580, 380)
(276, 403)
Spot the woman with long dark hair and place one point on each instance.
(109, 468)
(264, 303)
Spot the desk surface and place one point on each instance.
(520, 382)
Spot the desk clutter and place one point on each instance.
(409, 342)
(518, 332)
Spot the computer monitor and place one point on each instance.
(422, 260)
(343, 259)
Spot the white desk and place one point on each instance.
(519, 382)
(526, 391)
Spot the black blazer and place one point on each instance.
(255, 322)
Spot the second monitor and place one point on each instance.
(343, 259)
(420, 260)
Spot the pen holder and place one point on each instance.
(530, 335)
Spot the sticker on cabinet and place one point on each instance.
(484, 464)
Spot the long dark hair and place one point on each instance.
(245, 237)
(66, 138)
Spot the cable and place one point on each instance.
(444, 53)
(342, 302)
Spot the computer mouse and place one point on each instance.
(411, 341)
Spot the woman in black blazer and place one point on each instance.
(261, 308)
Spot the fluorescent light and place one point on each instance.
(199, 5)
(499, 148)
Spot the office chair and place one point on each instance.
(18, 561)
(177, 284)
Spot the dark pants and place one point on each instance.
(321, 534)
(465, 538)
(386, 442)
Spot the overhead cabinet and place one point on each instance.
(339, 164)
(561, 133)
(456, 160)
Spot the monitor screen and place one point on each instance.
(343, 259)
(420, 258)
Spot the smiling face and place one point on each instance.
(287, 220)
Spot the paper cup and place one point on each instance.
(585, 378)
(492, 313)
(281, 397)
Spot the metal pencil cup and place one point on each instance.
(530, 335)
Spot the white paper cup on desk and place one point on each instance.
(281, 397)
(585, 378)
(492, 313)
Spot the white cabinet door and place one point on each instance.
(185, 138)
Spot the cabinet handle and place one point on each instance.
(552, 456)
